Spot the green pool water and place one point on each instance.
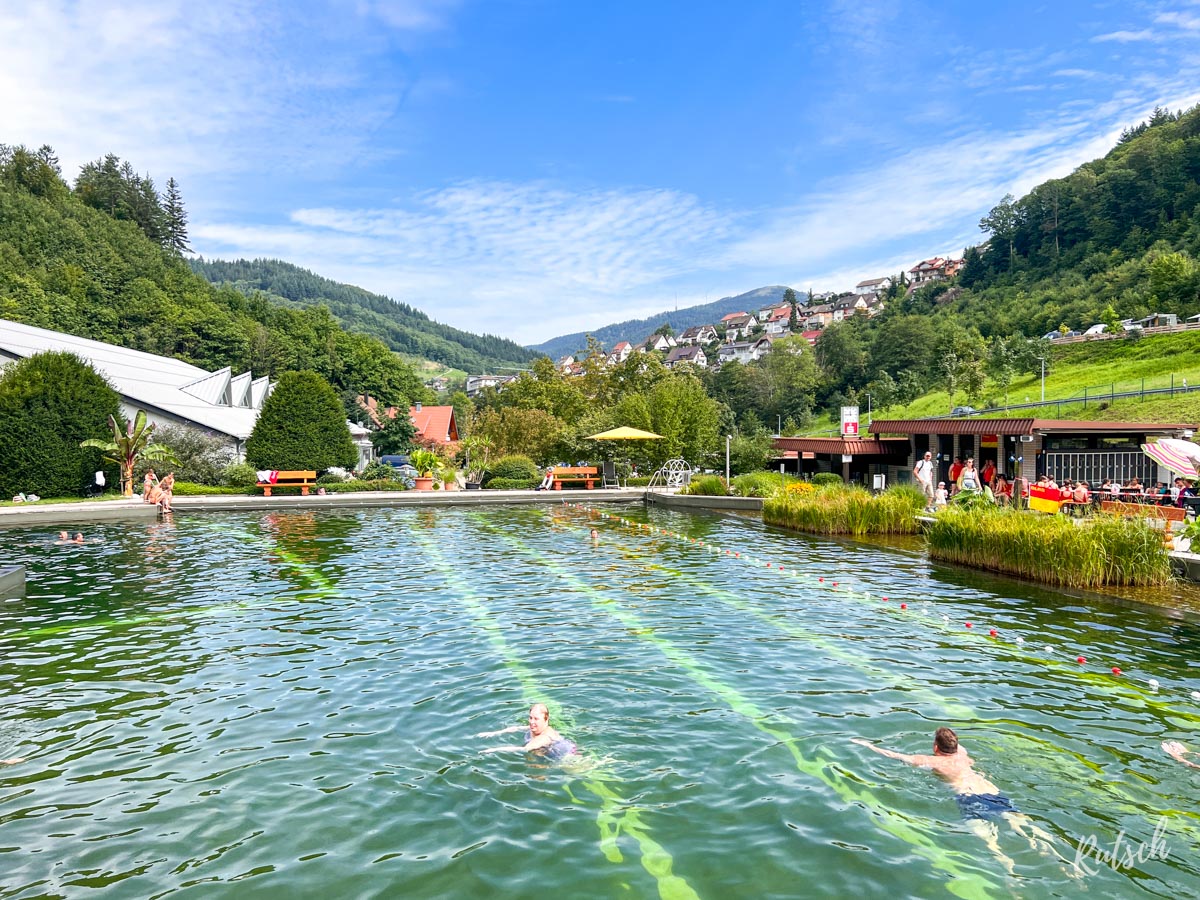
(287, 705)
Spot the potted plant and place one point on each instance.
(426, 462)
(477, 448)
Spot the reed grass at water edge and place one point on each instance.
(1105, 550)
(839, 509)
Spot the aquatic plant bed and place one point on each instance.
(1099, 551)
(838, 509)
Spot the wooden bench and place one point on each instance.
(587, 475)
(1169, 515)
(301, 479)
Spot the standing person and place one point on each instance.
(980, 801)
(956, 468)
(968, 478)
(989, 473)
(940, 496)
(923, 472)
(539, 736)
(1185, 491)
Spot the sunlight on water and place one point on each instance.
(287, 705)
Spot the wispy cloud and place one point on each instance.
(185, 88)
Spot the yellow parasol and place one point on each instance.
(625, 433)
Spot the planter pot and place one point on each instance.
(423, 484)
(474, 486)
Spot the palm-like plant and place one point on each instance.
(130, 443)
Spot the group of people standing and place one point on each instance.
(160, 492)
(964, 477)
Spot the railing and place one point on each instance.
(1093, 466)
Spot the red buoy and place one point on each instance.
(1116, 670)
(968, 624)
(1081, 659)
(821, 579)
(992, 633)
(902, 605)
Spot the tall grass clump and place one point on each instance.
(760, 484)
(837, 509)
(707, 486)
(1104, 550)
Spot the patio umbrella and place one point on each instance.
(625, 433)
(1180, 457)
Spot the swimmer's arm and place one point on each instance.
(892, 754)
(13, 762)
(509, 730)
(545, 739)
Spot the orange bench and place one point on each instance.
(1143, 510)
(301, 479)
(587, 475)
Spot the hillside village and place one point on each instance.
(747, 336)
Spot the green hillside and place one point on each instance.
(1118, 238)
(404, 329)
(102, 261)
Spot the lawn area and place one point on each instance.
(1092, 369)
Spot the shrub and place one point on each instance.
(190, 489)
(799, 488)
(302, 426)
(821, 479)
(708, 486)
(376, 471)
(511, 484)
(330, 478)
(200, 456)
(49, 403)
(758, 484)
(513, 468)
(238, 475)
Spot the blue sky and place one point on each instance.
(529, 168)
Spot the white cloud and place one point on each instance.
(181, 88)
(1126, 37)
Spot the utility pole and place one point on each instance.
(728, 438)
(1042, 360)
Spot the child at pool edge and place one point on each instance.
(538, 736)
(979, 800)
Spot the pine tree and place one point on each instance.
(176, 238)
(47, 155)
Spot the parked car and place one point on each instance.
(1131, 326)
(395, 461)
(1098, 328)
(1051, 335)
(963, 411)
(1058, 335)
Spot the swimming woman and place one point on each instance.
(539, 737)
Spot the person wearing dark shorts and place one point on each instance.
(980, 801)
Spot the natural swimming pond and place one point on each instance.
(287, 704)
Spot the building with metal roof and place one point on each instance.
(169, 390)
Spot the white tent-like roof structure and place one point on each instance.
(169, 390)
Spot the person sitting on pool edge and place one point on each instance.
(539, 736)
(979, 800)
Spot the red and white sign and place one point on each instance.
(849, 421)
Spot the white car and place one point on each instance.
(1096, 329)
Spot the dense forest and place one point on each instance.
(101, 259)
(404, 329)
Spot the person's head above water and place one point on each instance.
(945, 742)
(539, 718)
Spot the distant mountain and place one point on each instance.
(400, 326)
(639, 329)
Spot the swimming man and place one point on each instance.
(979, 800)
(1178, 751)
(539, 737)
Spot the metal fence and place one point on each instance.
(1093, 466)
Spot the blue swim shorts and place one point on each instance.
(984, 806)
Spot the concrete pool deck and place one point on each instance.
(93, 512)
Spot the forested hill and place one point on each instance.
(102, 261)
(404, 329)
(1120, 235)
(634, 330)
